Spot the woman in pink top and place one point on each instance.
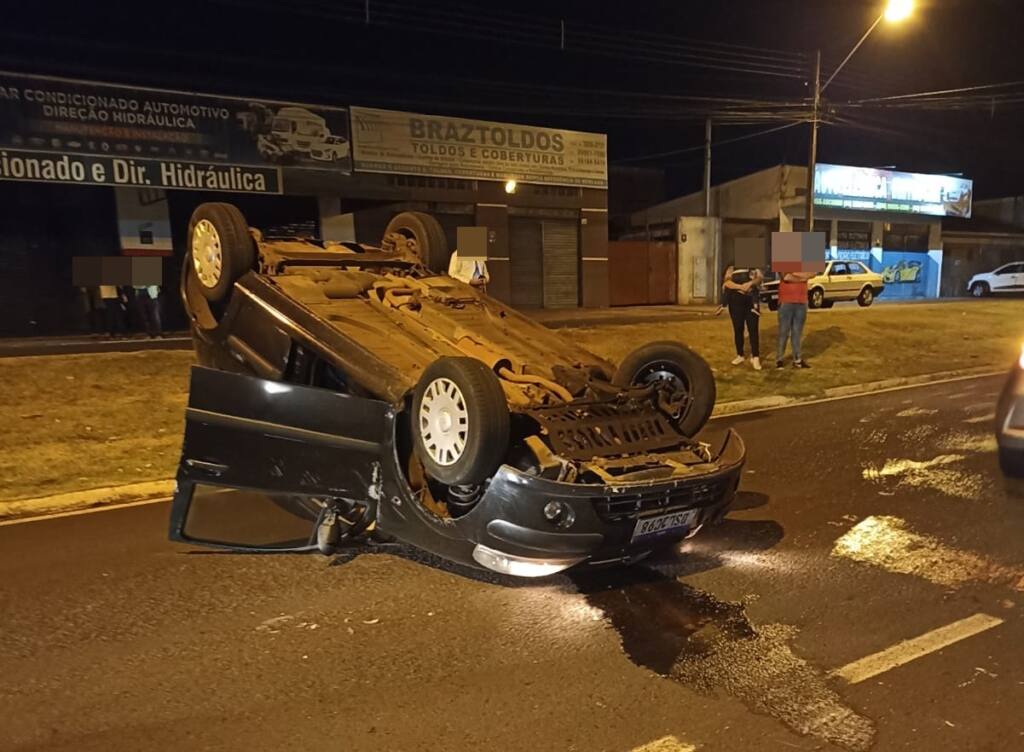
(792, 315)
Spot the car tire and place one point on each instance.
(816, 298)
(673, 360)
(431, 244)
(220, 249)
(980, 289)
(1011, 462)
(460, 421)
(866, 297)
(773, 305)
(827, 303)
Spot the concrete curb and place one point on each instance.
(851, 390)
(78, 500)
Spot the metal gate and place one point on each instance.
(526, 253)
(561, 263)
(641, 272)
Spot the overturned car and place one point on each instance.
(349, 393)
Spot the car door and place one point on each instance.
(859, 276)
(1004, 278)
(263, 461)
(1016, 278)
(838, 281)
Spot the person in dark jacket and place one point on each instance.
(741, 288)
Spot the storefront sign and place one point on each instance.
(869, 189)
(89, 133)
(76, 169)
(407, 143)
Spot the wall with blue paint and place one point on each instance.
(908, 274)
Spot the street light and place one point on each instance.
(895, 11)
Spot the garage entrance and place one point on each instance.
(544, 261)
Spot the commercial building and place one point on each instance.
(891, 221)
(96, 169)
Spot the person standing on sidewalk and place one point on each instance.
(741, 289)
(147, 308)
(113, 310)
(792, 315)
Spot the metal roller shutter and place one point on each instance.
(561, 263)
(526, 260)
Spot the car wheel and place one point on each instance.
(773, 305)
(671, 361)
(980, 289)
(827, 303)
(424, 236)
(460, 421)
(220, 249)
(1011, 463)
(866, 297)
(816, 298)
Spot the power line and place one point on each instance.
(603, 43)
(940, 92)
(723, 142)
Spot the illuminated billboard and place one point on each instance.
(870, 189)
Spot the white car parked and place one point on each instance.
(1007, 278)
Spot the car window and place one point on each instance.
(1010, 269)
(838, 269)
(857, 267)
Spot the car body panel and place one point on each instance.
(1010, 411)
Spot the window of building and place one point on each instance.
(853, 236)
(898, 236)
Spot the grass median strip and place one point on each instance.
(845, 346)
(74, 422)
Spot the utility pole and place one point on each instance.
(707, 166)
(812, 159)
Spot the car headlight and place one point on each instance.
(1020, 363)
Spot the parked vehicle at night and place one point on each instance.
(1010, 422)
(348, 392)
(1007, 278)
(841, 280)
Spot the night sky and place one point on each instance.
(630, 69)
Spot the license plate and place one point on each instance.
(663, 524)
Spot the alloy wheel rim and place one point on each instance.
(207, 253)
(444, 421)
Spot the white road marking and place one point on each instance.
(91, 510)
(665, 744)
(916, 647)
(986, 418)
(890, 544)
(821, 400)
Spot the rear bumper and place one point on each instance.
(510, 533)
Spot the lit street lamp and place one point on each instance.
(895, 11)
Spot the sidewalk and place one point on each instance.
(14, 347)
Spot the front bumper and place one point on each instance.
(507, 531)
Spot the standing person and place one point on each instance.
(741, 291)
(113, 311)
(147, 310)
(792, 315)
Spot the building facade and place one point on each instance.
(97, 169)
(887, 220)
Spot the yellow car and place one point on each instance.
(841, 280)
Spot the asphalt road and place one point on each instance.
(863, 523)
